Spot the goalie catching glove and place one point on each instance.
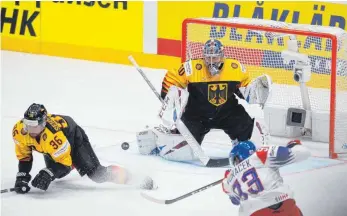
(258, 91)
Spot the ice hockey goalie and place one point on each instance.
(204, 93)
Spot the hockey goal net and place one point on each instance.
(258, 44)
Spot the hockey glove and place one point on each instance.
(258, 91)
(43, 179)
(22, 181)
(227, 188)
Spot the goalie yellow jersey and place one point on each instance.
(209, 96)
(52, 141)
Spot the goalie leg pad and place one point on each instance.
(173, 147)
(162, 142)
(260, 134)
(146, 142)
(248, 129)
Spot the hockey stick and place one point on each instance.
(182, 128)
(170, 201)
(8, 190)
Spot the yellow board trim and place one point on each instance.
(88, 53)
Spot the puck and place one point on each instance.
(125, 146)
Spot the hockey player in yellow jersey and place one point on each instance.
(65, 146)
(205, 93)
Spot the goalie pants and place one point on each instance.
(84, 160)
(285, 208)
(237, 124)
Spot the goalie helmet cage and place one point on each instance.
(257, 44)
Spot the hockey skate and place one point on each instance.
(120, 175)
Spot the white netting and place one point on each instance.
(260, 52)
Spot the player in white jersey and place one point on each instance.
(254, 181)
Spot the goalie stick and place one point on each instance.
(182, 128)
(170, 201)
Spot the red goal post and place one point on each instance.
(257, 44)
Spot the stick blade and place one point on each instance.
(218, 162)
(152, 199)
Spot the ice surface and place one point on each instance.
(111, 102)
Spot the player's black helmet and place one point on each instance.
(36, 113)
(35, 119)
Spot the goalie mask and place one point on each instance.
(213, 56)
(35, 119)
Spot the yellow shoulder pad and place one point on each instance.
(23, 151)
(18, 132)
(234, 64)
